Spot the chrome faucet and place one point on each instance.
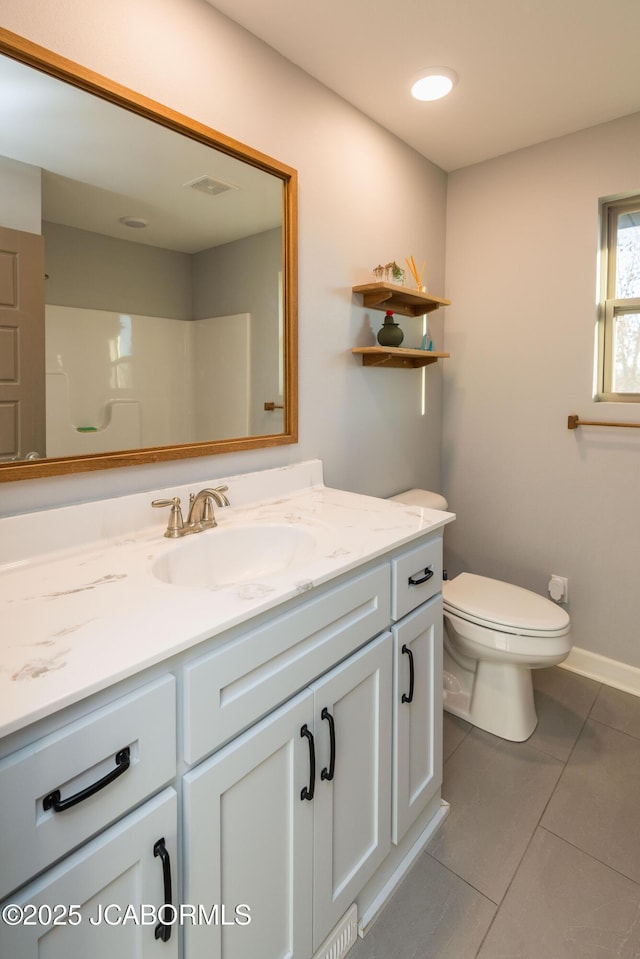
(201, 515)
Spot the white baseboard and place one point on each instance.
(603, 670)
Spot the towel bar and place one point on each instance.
(574, 422)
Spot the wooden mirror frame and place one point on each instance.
(18, 48)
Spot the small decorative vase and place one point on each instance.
(390, 333)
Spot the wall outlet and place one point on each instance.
(559, 588)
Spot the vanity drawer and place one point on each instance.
(88, 751)
(416, 576)
(230, 688)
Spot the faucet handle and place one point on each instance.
(221, 490)
(176, 522)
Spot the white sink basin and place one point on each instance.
(242, 554)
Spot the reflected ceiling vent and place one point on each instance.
(210, 186)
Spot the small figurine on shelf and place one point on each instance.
(390, 333)
(389, 273)
(397, 274)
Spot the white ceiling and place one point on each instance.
(529, 70)
(100, 162)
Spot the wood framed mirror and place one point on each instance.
(148, 278)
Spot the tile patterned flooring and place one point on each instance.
(539, 857)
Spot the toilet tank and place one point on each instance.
(421, 497)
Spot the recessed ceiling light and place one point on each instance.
(434, 83)
(134, 222)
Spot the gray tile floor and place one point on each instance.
(540, 855)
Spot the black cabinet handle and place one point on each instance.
(428, 573)
(308, 791)
(328, 773)
(407, 652)
(53, 801)
(163, 929)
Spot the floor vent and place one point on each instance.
(338, 942)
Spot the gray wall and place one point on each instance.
(100, 272)
(239, 277)
(20, 195)
(533, 498)
(104, 273)
(365, 197)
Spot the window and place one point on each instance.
(619, 333)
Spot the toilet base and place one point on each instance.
(496, 697)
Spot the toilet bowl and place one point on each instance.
(495, 633)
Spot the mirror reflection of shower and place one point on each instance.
(119, 381)
(122, 351)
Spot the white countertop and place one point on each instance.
(77, 619)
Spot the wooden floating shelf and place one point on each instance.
(395, 356)
(400, 299)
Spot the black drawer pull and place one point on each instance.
(53, 801)
(163, 929)
(408, 652)
(328, 773)
(428, 573)
(308, 791)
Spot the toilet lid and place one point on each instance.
(502, 605)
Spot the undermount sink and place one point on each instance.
(224, 557)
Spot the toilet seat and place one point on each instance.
(503, 607)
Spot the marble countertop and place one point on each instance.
(77, 619)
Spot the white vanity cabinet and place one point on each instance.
(260, 666)
(417, 702)
(248, 839)
(295, 816)
(261, 756)
(78, 811)
(91, 904)
(417, 714)
(292, 818)
(352, 810)
(65, 787)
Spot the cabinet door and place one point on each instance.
(121, 869)
(248, 841)
(352, 806)
(417, 714)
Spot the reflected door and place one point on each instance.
(22, 380)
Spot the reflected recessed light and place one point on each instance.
(135, 222)
(434, 83)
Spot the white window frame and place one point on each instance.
(610, 307)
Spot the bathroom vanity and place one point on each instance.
(245, 723)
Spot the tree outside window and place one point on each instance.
(620, 339)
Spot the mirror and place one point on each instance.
(159, 316)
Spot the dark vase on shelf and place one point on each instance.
(390, 333)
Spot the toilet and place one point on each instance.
(495, 633)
